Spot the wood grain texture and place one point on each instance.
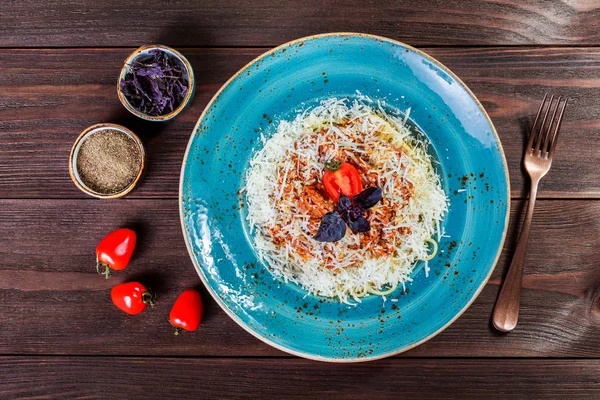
(61, 337)
(54, 303)
(47, 97)
(184, 378)
(31, 23)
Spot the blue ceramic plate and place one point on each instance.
(299, 74)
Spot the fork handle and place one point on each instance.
(506, 312)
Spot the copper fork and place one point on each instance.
(537, 162)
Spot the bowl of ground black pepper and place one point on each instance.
(156, 83)
(107, 161)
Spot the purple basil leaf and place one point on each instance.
(354, 211)
(368, 197)
(358, 223)
(332, 228)
(344, 203)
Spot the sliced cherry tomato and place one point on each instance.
(187, 311)
(115, 251)
(341, 177)
(131, 297)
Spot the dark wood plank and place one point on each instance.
(33, 23)
(47, 97)
(176, 378)
(54, 303)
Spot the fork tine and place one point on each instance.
(547, 134)
(540, 134)
(556, 130)
(537, 117)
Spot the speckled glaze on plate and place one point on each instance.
(273, 87)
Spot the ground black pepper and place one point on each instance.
(108, 161)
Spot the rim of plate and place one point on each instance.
(230, 313)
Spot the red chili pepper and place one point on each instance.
(115, 251)
(131, 297)
(187, 311)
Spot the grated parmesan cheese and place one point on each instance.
(354, 272)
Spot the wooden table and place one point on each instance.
(61, 337)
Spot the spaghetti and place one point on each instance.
(286, 200)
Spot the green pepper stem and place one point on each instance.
(106, 271)
(148, 298)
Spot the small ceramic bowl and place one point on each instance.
(75, 151)
(171, 52)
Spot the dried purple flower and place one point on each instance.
(156, 83)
